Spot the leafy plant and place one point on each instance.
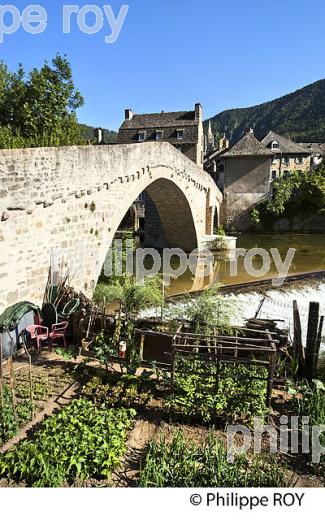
(80, 442)
(126, 390)
(309, 401)
(67, 353)
(132, 296)
(196, 394)
(210, 312)
(9, 421)
(255, 216)
(180, 463)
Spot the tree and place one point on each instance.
(300, 193)
(39, 109)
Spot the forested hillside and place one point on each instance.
(299, 116)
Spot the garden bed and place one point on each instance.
(51, 378)
(144, 444)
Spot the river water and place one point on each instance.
(309, 256)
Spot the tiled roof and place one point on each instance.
(248, 146)
(314, 148)
(285, 145)
(161, 120)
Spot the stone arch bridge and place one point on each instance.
(73, 199)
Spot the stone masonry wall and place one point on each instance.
(69, 202)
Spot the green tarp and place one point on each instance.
(10, 318)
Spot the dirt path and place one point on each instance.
(128, 473)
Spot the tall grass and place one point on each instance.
(310, 402)
(180, 463)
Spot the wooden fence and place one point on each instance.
(258, 349)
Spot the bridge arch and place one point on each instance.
(174, 213)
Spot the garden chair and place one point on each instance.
(38, 333)
(58, 332)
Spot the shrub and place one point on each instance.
(210, 312)
(297, 193)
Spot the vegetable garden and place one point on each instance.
(212, 375)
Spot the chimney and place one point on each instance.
(198, 111)
(128, 114)
(99, 135)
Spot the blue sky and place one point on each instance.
(172, 53)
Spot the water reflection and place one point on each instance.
(309, 256)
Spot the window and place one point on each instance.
(275, 145)
(299, 160)
(286, 161)
(141, 136)
(286, 172)
(180, 134)
(273, 175)
(159, 135)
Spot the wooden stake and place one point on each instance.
(31, 392)
(12, 379)
(311, 345)
(1, 373)
(319, 338)
(270, 371)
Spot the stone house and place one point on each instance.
(317, 152)
(244, 179)
(184, 130)
(288, 156)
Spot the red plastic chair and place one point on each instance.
(39, 333)
(58, 332)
